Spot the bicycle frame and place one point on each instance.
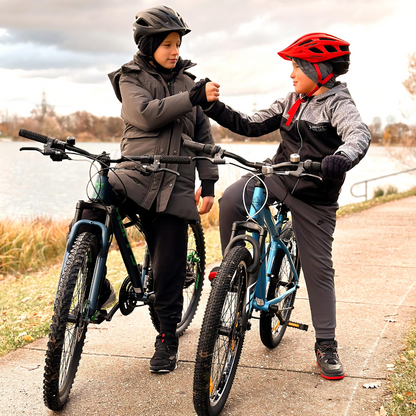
(262, 223)
(106, 200)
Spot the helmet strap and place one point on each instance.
(293, 110)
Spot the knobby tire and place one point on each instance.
(222, 334)
(68, 329)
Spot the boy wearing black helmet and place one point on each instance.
(319, 121)
(159, 109)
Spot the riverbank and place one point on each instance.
(376, 294)
(27, 294)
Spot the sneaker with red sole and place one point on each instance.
(328, 360)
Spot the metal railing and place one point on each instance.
(374, 179)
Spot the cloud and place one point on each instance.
(104, 28)
(234, 42)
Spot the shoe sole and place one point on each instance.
(166, 370)
(330, 377)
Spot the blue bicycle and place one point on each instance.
(264, 278)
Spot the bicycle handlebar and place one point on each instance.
(34, 136)
(296, 169)
(56, 150)
(209, 149)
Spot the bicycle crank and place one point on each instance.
(127, 297)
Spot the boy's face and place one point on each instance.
(301, 82)
(167, 53)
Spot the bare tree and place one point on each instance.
(410, 82)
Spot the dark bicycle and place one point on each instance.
(262, 277)
(84, 266)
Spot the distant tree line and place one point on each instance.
(81, 124)
(85, 126)
(88, 127)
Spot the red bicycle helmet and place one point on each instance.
(316, 47)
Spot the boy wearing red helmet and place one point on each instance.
(319, 121)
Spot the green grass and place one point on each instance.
(361, 206)
(403, 381)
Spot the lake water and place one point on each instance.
(32, 185)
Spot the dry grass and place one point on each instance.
(26, 296)
(28, 245)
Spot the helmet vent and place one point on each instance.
(306, 42)
(315, 50)
(330, 48)
(344, 48)
(142, 22)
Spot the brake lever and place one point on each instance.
(168, 170)
(311, 175)
(31, 148)
(55, 154)
(215, 161)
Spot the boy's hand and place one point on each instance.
(212, 90)
(207, 202)
(335, 166)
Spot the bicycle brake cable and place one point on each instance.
(265, 200)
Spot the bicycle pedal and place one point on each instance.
(296, 325)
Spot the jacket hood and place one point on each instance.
(340, 87)
(138, 63)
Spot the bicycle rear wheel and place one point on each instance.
(273, 325)
(68, 328)
(194, 281)
(222, 335)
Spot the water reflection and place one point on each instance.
(33, 185)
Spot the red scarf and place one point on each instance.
(293, 110)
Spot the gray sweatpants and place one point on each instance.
(314, 227)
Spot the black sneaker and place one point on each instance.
(107, 295)
(327, 358)
(165, 358)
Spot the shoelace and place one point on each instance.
(330, 353)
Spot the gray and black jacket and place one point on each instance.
(157, 116)
(328, 124)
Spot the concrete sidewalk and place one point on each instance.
(375, 262)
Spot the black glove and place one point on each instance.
(197, 95)
(335, 166)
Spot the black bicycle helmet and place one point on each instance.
(158, 20)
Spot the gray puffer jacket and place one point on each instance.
(157, 116)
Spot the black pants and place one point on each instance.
(167, 240)
(314, 227)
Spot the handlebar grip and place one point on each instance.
(312, 167)
(34, 136)
(209, 149)
(181, 160)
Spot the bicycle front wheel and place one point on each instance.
(222, 335)
(68, 328)
(273, 325)
(194, 281)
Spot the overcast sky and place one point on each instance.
(66, 47)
